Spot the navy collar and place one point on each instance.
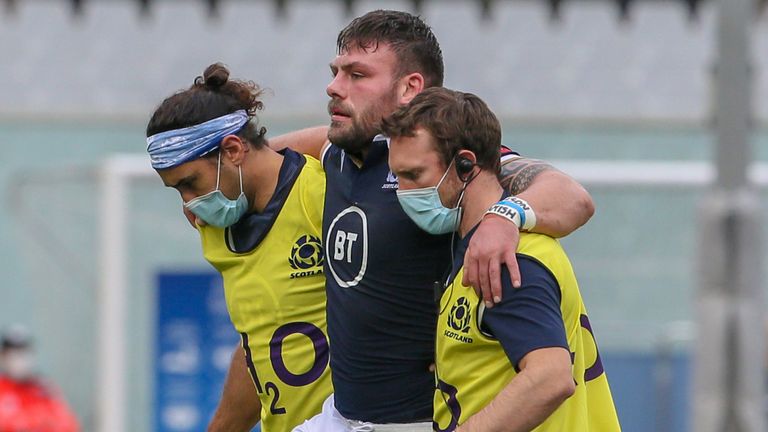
(379, 148)
(245, 235)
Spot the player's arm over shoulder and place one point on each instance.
(309, 141)
(560, 203)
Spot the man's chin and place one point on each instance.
(349, 144)
(339, 130)
(349, 138)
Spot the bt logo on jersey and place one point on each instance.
(342, 239)
(346, 246)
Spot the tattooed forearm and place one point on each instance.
(517, 174)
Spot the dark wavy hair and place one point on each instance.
(411, 39)
(211, 95)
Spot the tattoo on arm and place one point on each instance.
(517, 174)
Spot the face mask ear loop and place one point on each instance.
(218, 171)
(240, 172)
(445, 174)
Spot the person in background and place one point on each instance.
(27, 402)
(381, 268)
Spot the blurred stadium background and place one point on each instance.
(77, 87)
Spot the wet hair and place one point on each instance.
(456, 120)
(211, 95)
(410, 38)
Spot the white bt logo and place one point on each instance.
(341, 245)
(343, 238)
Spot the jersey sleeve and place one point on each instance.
(508, 154)
(528, 318)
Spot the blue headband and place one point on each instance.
(175, 147)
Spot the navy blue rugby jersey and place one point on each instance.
(380, 271)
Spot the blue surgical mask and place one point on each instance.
(215, 208)
(424, 207)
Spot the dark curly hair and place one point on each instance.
(212, 95)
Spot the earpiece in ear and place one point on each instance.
(464, 167)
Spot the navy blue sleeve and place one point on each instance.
(529, 317)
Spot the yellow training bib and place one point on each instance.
(472, 368)
(275, 294)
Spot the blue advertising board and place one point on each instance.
(194, 344)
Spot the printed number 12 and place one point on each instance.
(273, 408)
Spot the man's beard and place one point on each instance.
(355, 138)
(358, 135)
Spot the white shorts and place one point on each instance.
(331, 420)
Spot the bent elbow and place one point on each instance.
(563, 387)
(568, 389)
(587, 205)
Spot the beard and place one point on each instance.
(356, 135)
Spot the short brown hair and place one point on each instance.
(456, 120)
(411, 39)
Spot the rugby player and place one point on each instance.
(531, 362)
(381, 268)
(261, 215)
